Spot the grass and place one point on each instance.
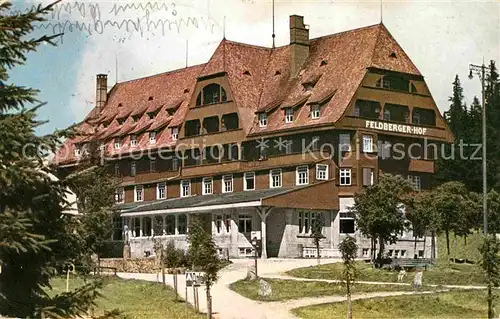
(135, 299)
(293, 289)
(440, 274)
(455, 304)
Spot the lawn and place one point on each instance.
(292, 289)
(455, 304)
(440, 274)
(136, 299)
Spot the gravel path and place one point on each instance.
(228, 304)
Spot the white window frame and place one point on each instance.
(78, 151)
(305, 222)
(176, 161)
(271, 180)
(304, 171)
(315, 111)
(175, 133)
(345, 142)
(245, 252)
(186, 183)
(133, 140)
(368, 143)
(372, 173)
(159, 187)
(138, 188)
(345, 173)
(152, 137)
(262, 119)
(120, 195)
(245, 217)
(208, 186)
(229, 186)
(248, 175)
(133, 168)
(118, 143)
(289, 115)
(416, 182)
(225, 224)
(347, 216)
(319, 172)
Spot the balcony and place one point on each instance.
(286, 159)
(208, 169)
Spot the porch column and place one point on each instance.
(263, 213)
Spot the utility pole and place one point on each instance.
(482, 71)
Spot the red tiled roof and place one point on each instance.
(259, 79)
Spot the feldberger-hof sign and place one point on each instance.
(398, 128)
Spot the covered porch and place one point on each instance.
(281, 217)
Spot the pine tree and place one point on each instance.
(492, 97)
(453, 167)
(95, 190)
(34, 233)
(457, 114)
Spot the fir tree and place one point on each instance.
(34, 232)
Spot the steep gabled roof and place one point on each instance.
(259, 79)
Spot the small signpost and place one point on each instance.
(194, 279)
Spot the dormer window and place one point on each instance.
(102, 147)
(118, 143)
(246, 72)
(78, 151)
(136, 118)
(315, 111)
(133, 140)
(151, 115)
(121, 121)
(152, 137)
(150, 98)
(288, 115)
(323, 63)
(262, 119)
(175, 133)
(211, 94)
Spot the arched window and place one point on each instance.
(211, 94)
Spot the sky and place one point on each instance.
(119, 38)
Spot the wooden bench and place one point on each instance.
(410, 263)
(110, 270)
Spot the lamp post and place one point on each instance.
(481, 71)
(254, 244)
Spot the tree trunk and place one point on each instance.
(433, 247)
(98, 264)
(209, 303)
(425, 241)
(415, 255)
(465, 240)
(317, 252)
(491, 313)
(381, 249)
(448, 244)
(349, 301)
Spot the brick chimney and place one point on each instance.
(299, 44)
(101, 94)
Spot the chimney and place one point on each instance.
(101, 94)
(299, 44)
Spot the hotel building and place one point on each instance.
(259, 140)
